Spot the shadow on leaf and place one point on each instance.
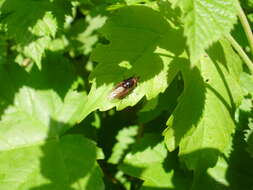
(24, 15)
(56, 75)
(190, 108)
(135, 34)
(68, 162)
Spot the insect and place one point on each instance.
(122, 89)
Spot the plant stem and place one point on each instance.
(246, 26)
(240, 51)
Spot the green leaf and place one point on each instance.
(83, 34)
(219, 171)
(240, 168)
(3, 49)
(39, 106)
(35, 49)
(58, 44)
(33, 24)
(150, 161)
(233, 171)
(31, 100)
(246, 81)
(202, 122)
(142, 44)
(249, 137)
(125, 138)
(206, 21)
(165, 102)
(58, 163)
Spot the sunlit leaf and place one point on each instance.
(58, 163)
(202, 123)
(32, 100)
(206, 21)
(150, 161)
(125, 138)
(142, 44)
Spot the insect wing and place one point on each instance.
(116, 93)
(123, 88)
(124, 93)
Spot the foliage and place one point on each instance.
(188, 123)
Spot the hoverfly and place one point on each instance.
(122, 89)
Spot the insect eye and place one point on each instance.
(127, 85)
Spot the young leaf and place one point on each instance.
(142, 44)
(202, 123)
(206, 21)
